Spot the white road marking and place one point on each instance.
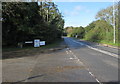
(68, 48)
(79, 43)
(94, 77)
(91, 73)
(71, 58)
(98, 81)
(67, 52)
(102, 51)
(78, 60)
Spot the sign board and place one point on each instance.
(36, 43)
(42, 42)
(29, 42)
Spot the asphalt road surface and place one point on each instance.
(80, 62)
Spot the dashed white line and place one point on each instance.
(91, 73)
(68, 48)
(67, 52)
(78, 60)
(98, 81)
(71, 58)
(94, 76)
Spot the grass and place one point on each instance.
(106, 42)
(13, 52)
(111, 43)
(54, 44)
(117, 44)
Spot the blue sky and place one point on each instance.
(80, 13)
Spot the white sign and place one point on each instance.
(42, 42)
(29, 42)
(36, 43)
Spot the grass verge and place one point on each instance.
(13, 52)
(111, 43)
(105, 42)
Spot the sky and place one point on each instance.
(80, 13)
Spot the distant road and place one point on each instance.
(79, 62)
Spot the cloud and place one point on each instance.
(75, 11)
(78, 8)
(66, 12)
(87, 11)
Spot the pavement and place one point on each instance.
(79, 62)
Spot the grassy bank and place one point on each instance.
(12, 48)
(13, 52)
(110, 43)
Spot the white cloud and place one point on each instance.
(87, 11)
(74, 13)
(66, 12)
(78, 8)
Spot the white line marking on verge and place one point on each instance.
(79, 43)
(102, 51)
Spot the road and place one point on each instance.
(79, 62)
(101, 61)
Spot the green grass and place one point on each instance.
(111, 43)
(13, 52)
(106, 42)
(52, 45)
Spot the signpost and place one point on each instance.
(42, 42)
(36, 43)
(29, 42)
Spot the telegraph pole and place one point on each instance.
(114, 33)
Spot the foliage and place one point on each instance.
(107, 15)
(101, 31)
(24, 21)
(73, 31)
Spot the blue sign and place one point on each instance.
(36, 43)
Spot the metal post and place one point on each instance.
(47, 15)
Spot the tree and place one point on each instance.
(73, 31)
(107, 15)
(101, 31)
(28, 21)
